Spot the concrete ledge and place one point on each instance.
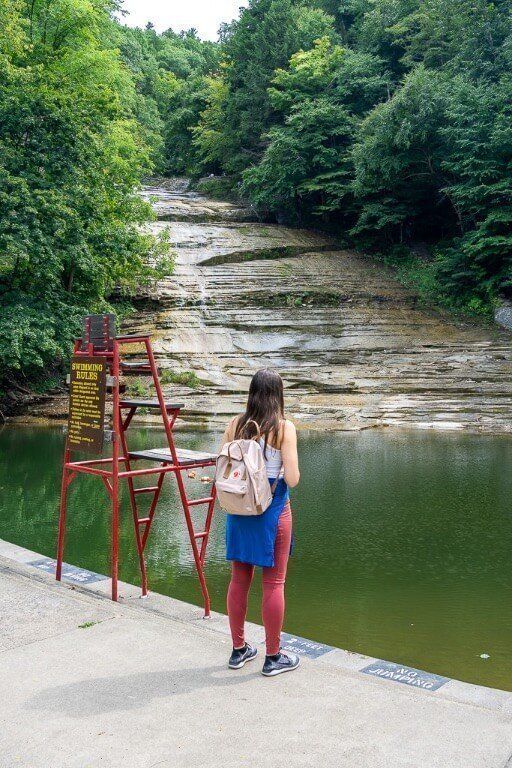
(318, 653)
(88, 683)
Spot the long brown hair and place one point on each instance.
(265, 406)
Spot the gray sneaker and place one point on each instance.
(241, 655)
(283, 662)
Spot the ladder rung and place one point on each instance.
(200, 535)
(137, 366)
(131, 336)
(148, 489)
(136, 371)
(129, 403)
(195, 502)
(143, 520)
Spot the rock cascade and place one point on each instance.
(354, 347)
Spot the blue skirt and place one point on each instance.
(251, 538)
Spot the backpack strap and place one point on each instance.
(274, 484)
(230, 463)
(282, 423)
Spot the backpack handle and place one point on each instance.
(230, 446)
(251, 421)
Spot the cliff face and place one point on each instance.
(354, 348)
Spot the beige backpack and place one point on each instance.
(241, 479)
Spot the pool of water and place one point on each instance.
(403, 541)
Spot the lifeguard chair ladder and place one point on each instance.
(99, 340)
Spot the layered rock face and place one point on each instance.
(353, 346)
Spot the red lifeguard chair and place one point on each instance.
(99, 340)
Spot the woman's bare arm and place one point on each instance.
(289, 454)
(229, 432)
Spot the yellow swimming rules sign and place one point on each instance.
(87, 404)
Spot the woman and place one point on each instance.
(263, 540)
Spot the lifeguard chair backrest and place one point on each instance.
(100, 332)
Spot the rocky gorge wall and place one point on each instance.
(354, 347)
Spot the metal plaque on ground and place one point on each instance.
(304, 647)
(69, 572)
(87, 403)
(407, 675)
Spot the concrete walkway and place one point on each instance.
(143, 684)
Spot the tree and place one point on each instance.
(399, 185)
(262, 40)
(306, 167)
(213, 146)
(170, 72)
(72, 155)
(477, 264)
(455, 35)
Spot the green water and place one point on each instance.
(403, 541)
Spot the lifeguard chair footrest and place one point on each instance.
(150, 404)
(135, 367)
(185, 456)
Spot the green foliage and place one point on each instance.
(455, 35)
(374, 27)
(478, 133)
(213, 144)
(434, 164)
(422, 275)
(217, 187)
(262, 40)
(184, 378)
(171, 73)
(392, 122)
(306, 167)
(138, 388)
(71, 157)
(397, 161)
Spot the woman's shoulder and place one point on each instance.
(288, 426)
(286, 430)
(232, 424)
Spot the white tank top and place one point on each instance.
(273, 460)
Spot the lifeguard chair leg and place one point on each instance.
(207, 525)
(197, 556)
(114, 567)
(62, 521)
(141, 536)
(133, 502)
(67, 478)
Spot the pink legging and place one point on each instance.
(272, 605)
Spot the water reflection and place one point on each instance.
(403, 541)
